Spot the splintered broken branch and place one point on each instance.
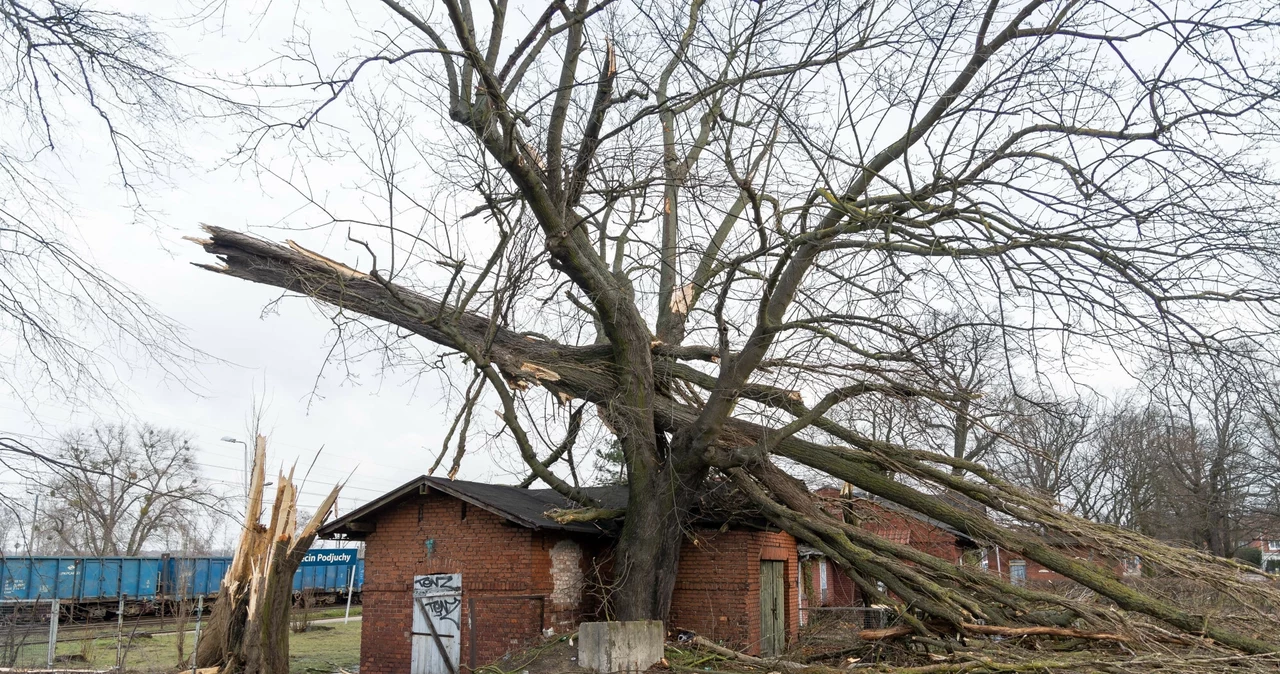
(567, 515)
(248, 631)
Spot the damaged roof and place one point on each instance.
(950, 498)
(718, 504)
(525, 507)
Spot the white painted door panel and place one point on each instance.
(437, 623)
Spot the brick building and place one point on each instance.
(826, 586)
(1021, 571)
(478, 570)
(1269, 547)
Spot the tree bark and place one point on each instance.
(648, 551)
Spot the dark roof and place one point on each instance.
(718, 504)
(525, 507)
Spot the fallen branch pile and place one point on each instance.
(1000, 631)
(922, 655)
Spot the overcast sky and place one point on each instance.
(382, 428)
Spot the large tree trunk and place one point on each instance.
(648, 552)
(266, 633)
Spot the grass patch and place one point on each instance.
(315, 652)
(325, 650)
(334, 612)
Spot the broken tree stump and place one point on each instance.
(248, 632)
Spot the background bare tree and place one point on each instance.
(1185, 456)
(12, 539)
(1130, 435)
(968, 368)
(114, 490)
(970, 362)
(72, 71)
(723, 223)
(1208, 457)
(1045, 449)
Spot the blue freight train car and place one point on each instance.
(191, 577)
(78, 578)
(331, 579)
(93, 586)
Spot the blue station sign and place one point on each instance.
(330, 557)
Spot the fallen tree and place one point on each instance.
(725, 294)
(953, 593)
(1000, 631)
(248, 631)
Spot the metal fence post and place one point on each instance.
(120, 634)
(195, 645)
(350, 587)
(53, 630)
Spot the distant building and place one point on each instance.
(1270, 548)
(827, 586)
(1018, 570)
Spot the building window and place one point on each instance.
(1273, 545)
(1017, 572)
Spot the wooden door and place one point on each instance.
(437, 622)
(773, 608)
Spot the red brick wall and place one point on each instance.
(506, 577)
(840, 588)
(717, 591)
(1038, 575)
(509, 589)
(905, 529)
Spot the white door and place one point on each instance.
(437, 618)
(822, 582)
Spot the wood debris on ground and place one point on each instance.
(1135, 649)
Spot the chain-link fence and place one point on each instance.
(853, 617)
(28, 637)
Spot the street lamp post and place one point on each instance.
(228, 438)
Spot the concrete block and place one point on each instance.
(631, 646)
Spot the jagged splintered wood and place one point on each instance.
(742, 450)
(249, 630)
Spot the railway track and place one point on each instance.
(39, 632)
